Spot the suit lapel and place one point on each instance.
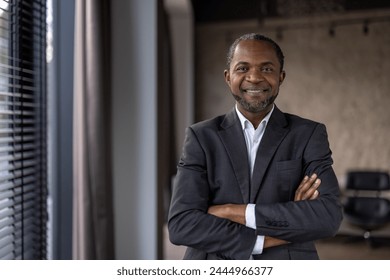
(232, 137)
(274, 134)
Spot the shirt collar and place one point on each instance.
(244, 120)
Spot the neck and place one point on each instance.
(255, 117)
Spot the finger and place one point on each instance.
(315, 195)
(308, 188)
(301, 188)
(312, 190)
(305, 186)
(307, 182)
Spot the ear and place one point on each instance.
(282, 76)
(227, 76)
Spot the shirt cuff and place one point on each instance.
(250, 221)
(259, 245)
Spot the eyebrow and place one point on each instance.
(246, 63)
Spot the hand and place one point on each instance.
(308, 189)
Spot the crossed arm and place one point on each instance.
(307, 190)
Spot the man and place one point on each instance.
(256, 182)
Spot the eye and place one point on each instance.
(267, 69)
(241, 68)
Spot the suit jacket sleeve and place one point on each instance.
(189, 224)
(310, 219)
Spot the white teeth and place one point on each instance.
(255, 91)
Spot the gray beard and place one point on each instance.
(255, 107)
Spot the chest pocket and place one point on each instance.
(288, 177)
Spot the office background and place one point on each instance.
(336, 65)
(125, 77)
(336, 58)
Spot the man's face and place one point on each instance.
(254, 76)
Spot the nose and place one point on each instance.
(254, 76)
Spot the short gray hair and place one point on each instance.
(259, 37)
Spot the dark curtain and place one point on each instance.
(93, 227)
(166, 131)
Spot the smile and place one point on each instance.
(256, 92)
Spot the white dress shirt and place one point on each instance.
(252, 139)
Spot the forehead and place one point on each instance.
(254, 50)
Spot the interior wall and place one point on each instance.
(341, 81)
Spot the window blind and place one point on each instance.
(23, 137)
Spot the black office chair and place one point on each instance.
(367, 208)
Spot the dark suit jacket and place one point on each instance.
(214, 169)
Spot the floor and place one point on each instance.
(344, 247)
(347, 245)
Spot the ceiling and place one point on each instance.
(228, 10)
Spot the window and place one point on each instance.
(23, 137)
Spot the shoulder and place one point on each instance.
(209, 123)
(284, 118)
(298, 120)
(212, 124)
(297, 123)
(303, 126)
(217, 123)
